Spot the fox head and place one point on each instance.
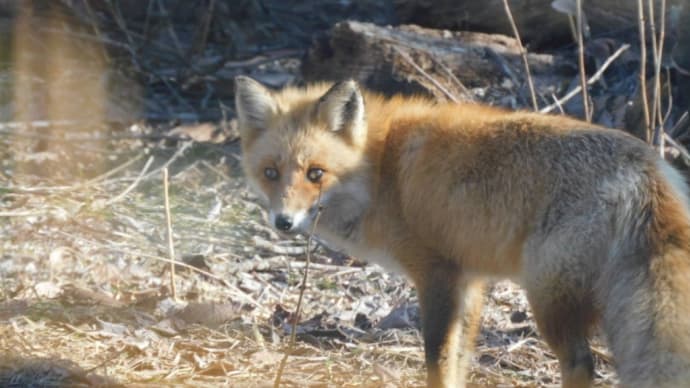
(304, 148)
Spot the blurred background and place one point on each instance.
(73, 64)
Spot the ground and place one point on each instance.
(86, 296)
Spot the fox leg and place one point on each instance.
(564, 321)
(443, 293)
(472, 313)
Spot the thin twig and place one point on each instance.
(658, 45)
(652, 32)
(108, 174)
(681, 149)
(669, 96)
(103, 40)
(170, 161)
(147, 20)
(303, 287)
(643, 70)
(133, 184)
(174, 92)
(122, 24)
(592, 80)
(264, 57)
(90, 182)
(506, 68)
(171, 246)
(680, 123)
(467, 94)
(421, 71)
(581, 61)
(205, 27)
(571, 24)
(523, 53)
(558, 103)
(171, 30)
(94, 25)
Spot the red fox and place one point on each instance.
(590, 221)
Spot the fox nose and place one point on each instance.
(283, 222)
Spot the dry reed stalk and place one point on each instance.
(581, 63)
(303, 287)
(426, 75)
(643, 70)
(591, 81)
(171, 246)
(523, 53)
(657, 120)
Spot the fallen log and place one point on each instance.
(446, 64)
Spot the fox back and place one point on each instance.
(590, 221)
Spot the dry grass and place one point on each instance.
(523, 54)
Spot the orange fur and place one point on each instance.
(590, 221)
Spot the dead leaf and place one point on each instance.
(390, 377)
(196, 261)
(109, 329)
(207, 314)
(165, 327)
(86, 296)
(265, 357)
(12, 308)
(48, 290)
(57, 258)
(205, 132)
(402, 317)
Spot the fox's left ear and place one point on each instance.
(254, 104)
(342, 109)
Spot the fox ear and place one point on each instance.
(342, 108)
(254, 104)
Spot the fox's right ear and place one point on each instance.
(254, 104)
(342, 108)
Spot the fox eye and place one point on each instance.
(314, 174)
(271, 173)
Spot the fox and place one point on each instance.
(590, 221)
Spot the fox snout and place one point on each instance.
(283, 222)
(287, 222)
(293, 207)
